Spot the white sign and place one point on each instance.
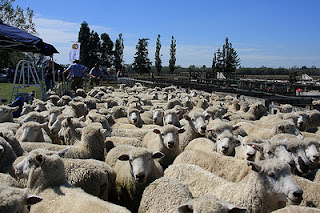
(74, 52)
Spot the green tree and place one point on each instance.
(158, 62)
(172, 60)
(84, 39)
(141, 62)
(118, 53)
(107, 54)
(94, 49)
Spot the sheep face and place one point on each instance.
(312, 152)
(6, 113)
(30, 162)
(226, 143)
(197, 122)
(53, 116)
(249, 151)
(141, 164)
(287, 127)
(169, 136)
(302, 121)
(39, 106)
(157, 116)
(301, 160)
(278, 181)
(134, 117)
(26, 108)
(32, 132)
(172, 118)
(33, 116)
(56, 126)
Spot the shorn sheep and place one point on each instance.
(135, 169)
(170, 195)
(165, 140)
(268, 186)
(16, 200)
(47, 179)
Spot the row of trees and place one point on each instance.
(100, 49)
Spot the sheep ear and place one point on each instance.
(157, 155)
(254, 166)
(90, 117)
(32, 199)
(237, 142)
(62, 152)
(157, 131)
(187, 117)
(123, 157)
(13, 109)
(185, 208)
(141, 111)
(78, 130)
(40, 158)
(235, 127)
(280, 127)
(181, 130)
(256, 146)
(235, 209)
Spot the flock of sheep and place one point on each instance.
(139, 149)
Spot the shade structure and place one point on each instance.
(16, 39)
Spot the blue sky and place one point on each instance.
(273, 33)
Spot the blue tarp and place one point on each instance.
(14, 38)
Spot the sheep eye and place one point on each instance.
(162, 134)
(130, 160)
(271, 174)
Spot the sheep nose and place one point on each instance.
(298, 194)
(250, 155)
(203, 128)
(316, 156)
(170, 122)
(170, 144)
(140, 177)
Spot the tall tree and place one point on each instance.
(94, 49)
(172, 60)
(84, 39)
(118, 53)
(158, 62)
(107, 54)
(141, 62)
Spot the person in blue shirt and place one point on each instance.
(95, 74)
(75, 75)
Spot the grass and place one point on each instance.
(6, 90)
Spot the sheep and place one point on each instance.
(68, 131)
(133, 117)
(47, 178)
(7, 157)
(247, 151)
(91, 144)
(165, 140)
(6, 113)
(56, 126)
(157, 116)
(39, 105)
(32, 116)
(313, 119)
(172, 103)
(14, 143)
(54, 99)
(79, 108)
(194, 125)
(214, 112)
(133, 133)
(33, 131)
(111, 142)
(225, 144)
(254, 113)
(230, 168)
(297, 209)
(118, 112)
(93, 176)
(170, 195)
(7, 179)
(267, 187)
(135, 169)
(64, 100)
(172, 117)
(54, 113)
(285, 126)
(26, 108)
(96, 117)
(311, 192)
(13, 199)
(312, 151)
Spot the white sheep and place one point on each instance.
(297, 209)
(14, 199)
(6, 113)
(47, 179)
(268, 186)
(112, 142)
(165, 140)
(171, 116)
(254, 113)
(170, 195)
(247, 151)
(68, 132)
(194, 125)
(33, 131)
(135, 169)
(133, 133)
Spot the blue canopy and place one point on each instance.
(16, 39)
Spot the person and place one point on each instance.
(95, 74)
(48, 77)
(75, 75)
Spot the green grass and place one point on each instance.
(6, 90)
